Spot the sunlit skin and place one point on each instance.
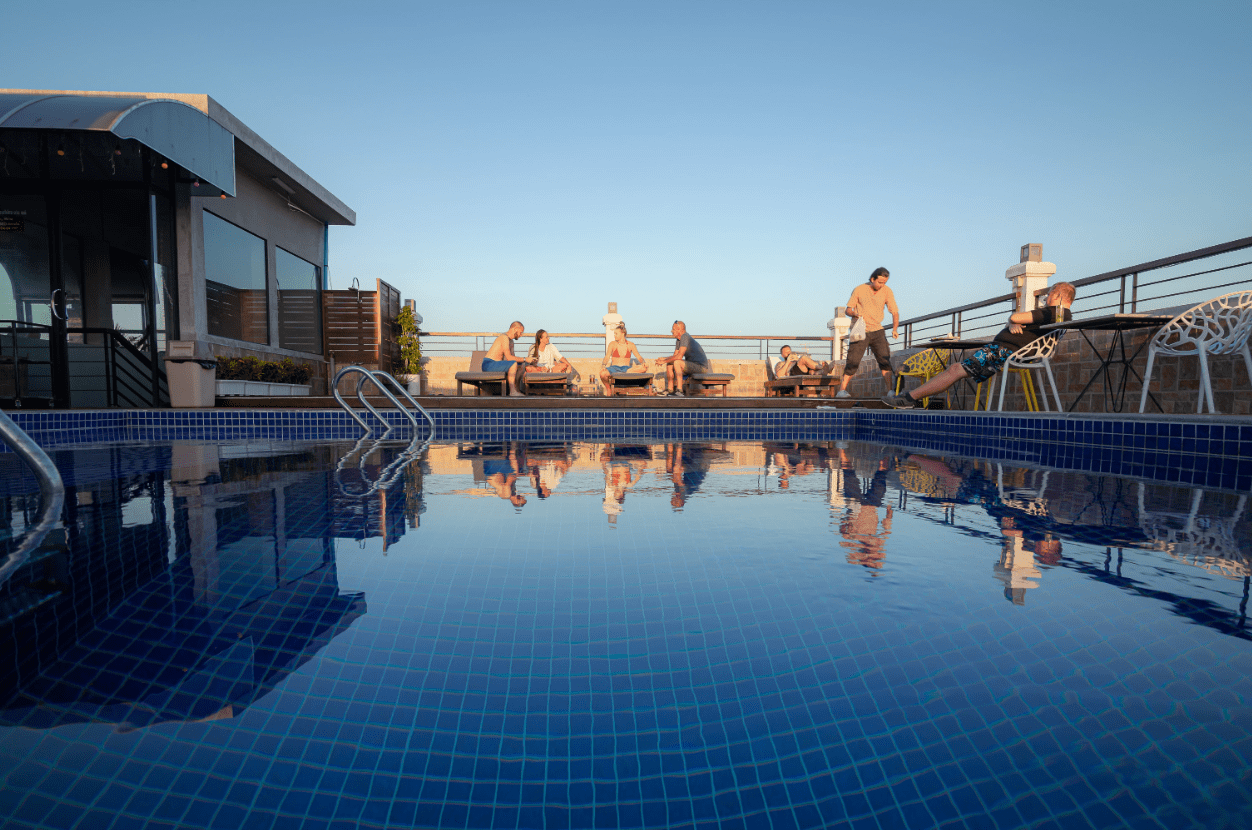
(673, 373)
(877, 284)
(806, 364)
(620, 343)
(956, 372)
(561, 365)
(502, 349)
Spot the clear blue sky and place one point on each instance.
(740, 165)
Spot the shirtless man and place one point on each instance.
(621, 356)
(500, 357)
(800, 364)
(688, 359)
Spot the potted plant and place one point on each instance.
(252, 376)
(410, 349)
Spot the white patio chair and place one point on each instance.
(1032, 356)
(1219, 326)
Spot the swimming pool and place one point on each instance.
(554, 633)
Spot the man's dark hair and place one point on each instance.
(879, 272)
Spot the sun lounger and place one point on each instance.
(630, 383)
(706, 383)
(799, 385)
(493, 383)
(544, 383)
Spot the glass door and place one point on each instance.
(33, 305)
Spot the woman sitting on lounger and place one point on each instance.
(621, 356)
(548, 358)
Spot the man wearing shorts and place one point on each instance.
(867, 302)
(500, 357)
(688, 359)
(1022, 330)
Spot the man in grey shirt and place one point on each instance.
(688, 359)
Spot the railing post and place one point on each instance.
(1121, 296)
(1134, 293)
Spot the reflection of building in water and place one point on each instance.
(144, 625)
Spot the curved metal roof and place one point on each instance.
(179, 132)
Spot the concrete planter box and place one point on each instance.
(257, 388)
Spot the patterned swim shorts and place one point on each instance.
(985, 362)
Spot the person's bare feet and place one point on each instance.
(516, 394)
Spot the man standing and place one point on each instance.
(867, 303)
(688, 359)
(500, 357)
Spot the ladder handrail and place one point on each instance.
(379, 379)
(368, 375)
(51, 490)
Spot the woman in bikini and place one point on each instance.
(622, 354)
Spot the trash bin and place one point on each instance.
(192, 374)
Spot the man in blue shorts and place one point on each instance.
(500, 357)
(1022, 330)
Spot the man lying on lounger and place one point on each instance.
(1022, 330)
(500, 357)
(798, 363)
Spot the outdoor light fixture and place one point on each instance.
(165, 165)
(196, 183)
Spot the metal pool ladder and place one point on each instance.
(379, 378)
(51, 489)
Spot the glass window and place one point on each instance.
(299, 303)
(25, 275)
(235, 288)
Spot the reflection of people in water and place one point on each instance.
(785, 465)
(547, 475)
(863, 540)
(1017, 568)
(619, 476)
(686, 467)
(501, 473)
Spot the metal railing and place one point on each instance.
(591, 345)
(380, 380)
(51, 490)
(1171, 284)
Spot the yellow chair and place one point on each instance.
(924, 365)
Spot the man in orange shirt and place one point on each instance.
(867, 302)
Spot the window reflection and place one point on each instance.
(235, 281)
(299, 303)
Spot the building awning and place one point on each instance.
(177, 131)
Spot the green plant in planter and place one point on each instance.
(252, 368)
(410, 344)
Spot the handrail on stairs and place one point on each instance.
(51, 489)
(379, 379)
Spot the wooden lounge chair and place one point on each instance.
(544, 383)
(489, 382)
(799, 385)
(706, 383)
(629, 383)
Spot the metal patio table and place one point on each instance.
(960, 345)
(1119, 324)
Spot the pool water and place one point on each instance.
(547, 634)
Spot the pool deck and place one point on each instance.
(553, 402)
